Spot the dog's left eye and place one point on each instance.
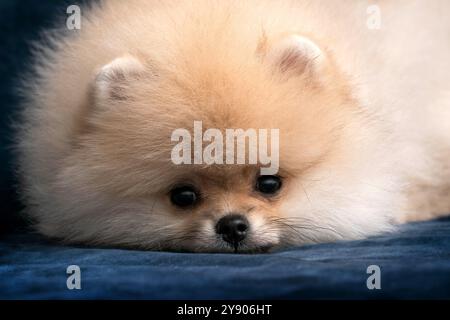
(268, 184)
(183, 197)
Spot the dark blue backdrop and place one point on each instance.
(21, 21)
(415, 262)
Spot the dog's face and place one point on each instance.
(120, 186)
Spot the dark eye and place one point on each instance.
(183, 197)
(268, 184)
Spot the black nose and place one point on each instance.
(233, 228)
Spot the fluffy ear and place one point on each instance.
(295, 55)
(112, 79)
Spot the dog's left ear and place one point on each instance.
(112, 80)
(295, 55)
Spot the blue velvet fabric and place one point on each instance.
(414, 262)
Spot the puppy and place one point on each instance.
(363, 116)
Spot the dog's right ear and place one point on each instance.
(113, 79)
(294, 55)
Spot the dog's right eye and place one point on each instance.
(268, 185)
(184, 197)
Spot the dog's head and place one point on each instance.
(120, 186)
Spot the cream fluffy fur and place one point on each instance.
(364, 119)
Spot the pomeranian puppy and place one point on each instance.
(362, 109)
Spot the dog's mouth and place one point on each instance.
(254, 239)
(262, 249)
(245, 247)
(239, 250)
